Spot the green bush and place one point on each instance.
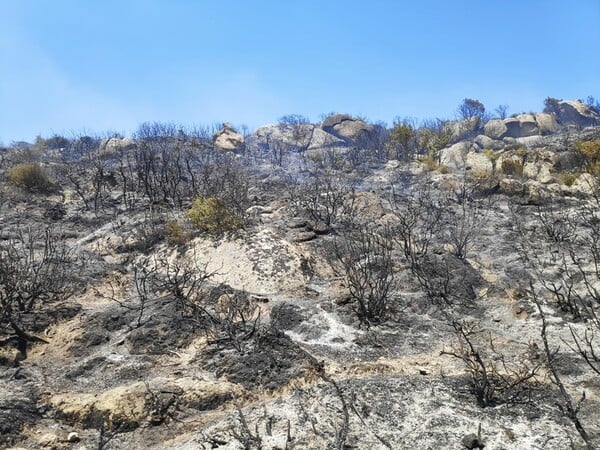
(590, 150)
(31, 178)
(211, 215)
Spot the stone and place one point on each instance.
(568, 161)
(304, 236)
(392, 164)
(531, 141)
(472, 441)
(574, 112)
(546, 123)
(511, 186)
(296, 222)
(73, 437)
(486, 143)
(319, 227)
(535, 193)
(227, 138)
(495, 129)
(295, 138)
(539, 171)
(521, 126)
(479, 163)
(585, 184)
(458, 129)
(112, 146)
(455, 155)
(347, 127)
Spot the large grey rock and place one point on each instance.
(521, 126)
(115, 145)
(585, 184)
(485, 142)
(546, 123)
(568, 161)
(495, 129)
(227, 138)
(531, 141)
(293, 137)
(458, 129)
(321, 140)
(455, 155)
(538, 171)
(347, 127)
(479, 163)
(574, 112)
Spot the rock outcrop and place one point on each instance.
(495, 129)
(227, 138)
(115, 145)
(546, 123)
(574, 112)
(455, 156)
(346, 127)
(521, 126)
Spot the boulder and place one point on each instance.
(479, 163)
(115, 145)
(585, 184)
(227, 138)
(458, 129)
(546, 123)
(574, 112)
(568, 161)
(321, 140)
(510, 186)
(531, 141)
(521, 126)
(346, 127)
(455, 155)
(538, 171)
(484, 142)
(495, 129)
(293, 137)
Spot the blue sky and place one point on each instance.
(95, 65)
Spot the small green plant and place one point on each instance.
(211, 215)
(31, 178)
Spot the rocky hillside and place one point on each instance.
(334, 285)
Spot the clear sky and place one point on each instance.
(96, 65)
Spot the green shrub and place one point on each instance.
(31, 178)
(590, 150)
(211, 215)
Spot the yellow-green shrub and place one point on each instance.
(590, 150)
(31, 178)
(211, 214)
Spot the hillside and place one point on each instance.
(333, 285)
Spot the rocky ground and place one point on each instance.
(262, 347)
